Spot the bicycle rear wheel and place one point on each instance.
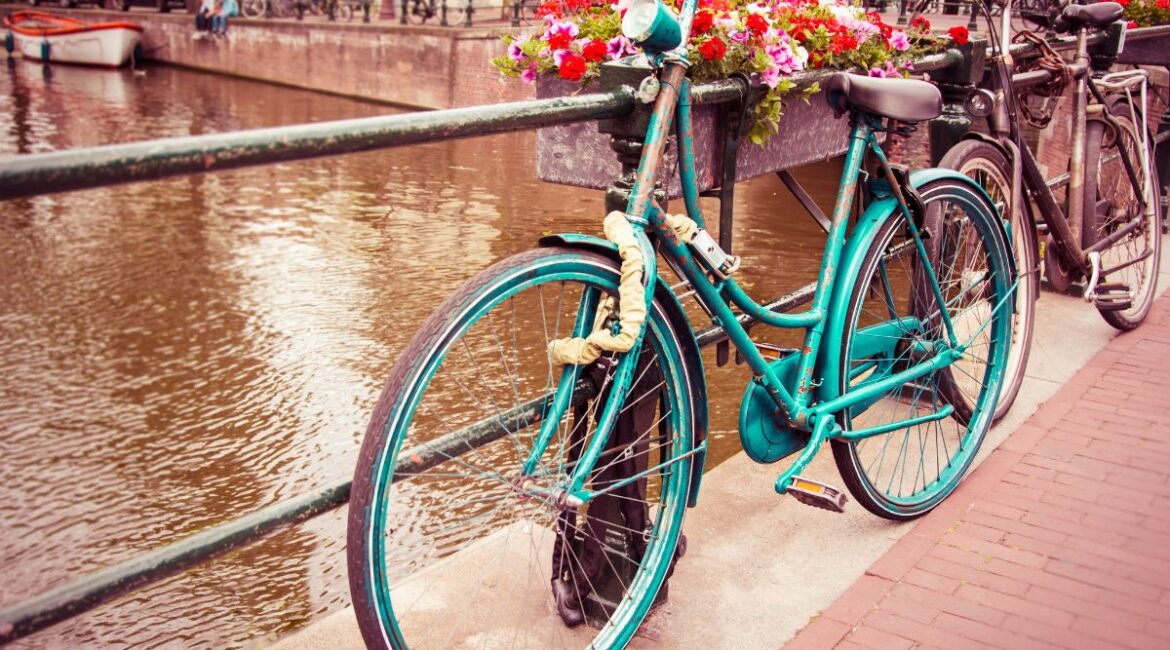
(1112, 204)
(985, 164)
(464, 551)
(894, 322)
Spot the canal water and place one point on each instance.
(179, 353)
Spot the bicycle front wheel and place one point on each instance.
(986, 165)
(895, 321)
(419, 12)
(1113, 203)
(447, 543)
(254, 8)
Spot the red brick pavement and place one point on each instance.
(1060, 539)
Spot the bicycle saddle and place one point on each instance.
(905, 100)
(1094, 15)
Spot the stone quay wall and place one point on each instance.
(421, 67)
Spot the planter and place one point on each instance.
(1146, 51)
(580, 155)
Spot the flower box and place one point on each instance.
(580, 155)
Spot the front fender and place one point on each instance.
(692, 359)
(852, 257)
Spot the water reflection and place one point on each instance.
(182, 352)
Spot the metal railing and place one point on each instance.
(36, 174)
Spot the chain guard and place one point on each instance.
(765, 436)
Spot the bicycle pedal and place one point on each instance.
(817, 494)
(1113, 296)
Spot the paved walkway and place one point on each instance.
(1058, 540)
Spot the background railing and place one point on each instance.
(955, 70)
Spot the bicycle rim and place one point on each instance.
(459, 553)
(1111, 204)
(906, 472)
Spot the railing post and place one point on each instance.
(467, 14)
(973, 24)
(300, 7)
(626, 133)
(443, 14)
(402, 16)
(365, 11)
(516, 13)
(902, 11)
(956, 84)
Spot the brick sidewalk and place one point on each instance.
(1060, 539)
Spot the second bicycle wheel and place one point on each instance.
(448, 544)
(895, 320)
(985, 164)
(1112, 205)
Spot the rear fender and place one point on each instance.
(692, 359)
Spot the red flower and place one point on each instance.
(702, 23)
(842, 42)
(550, 8)
(1131, 24)
(1162, 4)
(1123, 3)
(961, 36)
(594, 50)
(713, 49)
(756, 24)
(920, 23)
(572, 67)
(559, 41)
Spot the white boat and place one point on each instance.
(44, 37)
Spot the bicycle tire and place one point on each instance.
(986, 164)
(1106, 180)
(419, 12)
(254, 8)
(381, 543)
(972, 415)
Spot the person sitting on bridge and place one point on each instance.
(219, 22)
(203, 20)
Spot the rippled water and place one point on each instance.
(179, 353)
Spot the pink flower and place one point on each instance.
(771, 77)
(529, 75)
(619, 46)
(782, 58)
(899, 41)
(877, 72)
(514, 51)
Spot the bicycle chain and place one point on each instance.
(1050, 62)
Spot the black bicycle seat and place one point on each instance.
(1100, 14)
(905, 100)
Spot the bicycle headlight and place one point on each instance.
(650, 24)
(979, 103)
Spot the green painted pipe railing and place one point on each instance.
(36, 174)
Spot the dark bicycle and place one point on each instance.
(1107, 234)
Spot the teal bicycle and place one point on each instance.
(531, 458)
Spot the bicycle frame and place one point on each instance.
(1065, 227)
(717, 297)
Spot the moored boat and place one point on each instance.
(46, 37)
